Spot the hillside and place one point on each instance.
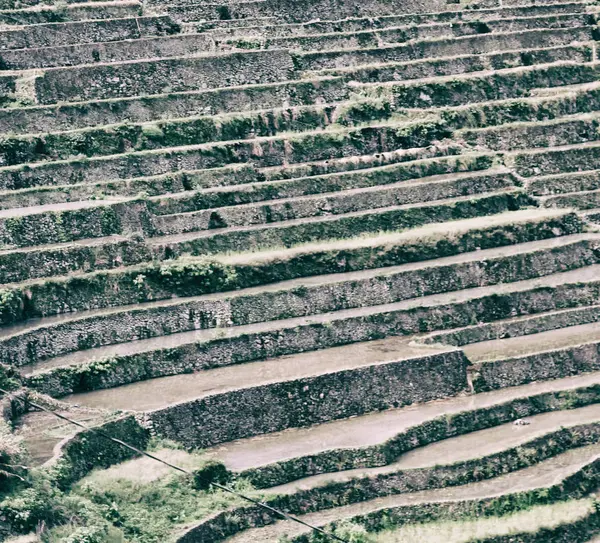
(340, 256)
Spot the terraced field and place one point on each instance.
(343, 257)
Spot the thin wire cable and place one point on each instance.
(103, 434)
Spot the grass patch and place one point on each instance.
(140, 501)
(531, 520)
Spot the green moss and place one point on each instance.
(11, 305)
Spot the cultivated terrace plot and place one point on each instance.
(299, 271)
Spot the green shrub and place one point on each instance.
(203, 276)
(39, 504)
(9, 378)
(11, 306)
(11, 453)
(211, 472)
(152, 131)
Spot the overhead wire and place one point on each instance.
(224, 488)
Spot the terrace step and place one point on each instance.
(288, 233)
(337, 40)
(128, 79)
(338, 164)
(315, 11)
(117, 139)
(16, 4)
(79, 32)
(568, 130)
(192, 351)
(294, 148)
(67, 206)
(409, 194)
(363, 253)
(574, 182)
(562, 101)
(174, 105)
(373, 383)
(472, 446)
(368, 177)
(360, 364)
(453, 65)
(355, 24)
(500, 349)
(366, 208)
(514, 327)
(519, 350)
(394, 176)
(592, 215)
(584, 200)
(213, 11)
(550, 246)
(465, 45)
(128, 50)
(74, 12)
(55, 223)
(373, 430)
(266, 123)
(223, 24)
(43, 432)
(390, 35)
(291, 256)
(478, 86)
(99, 81)
(564, 159)
(512, 361)
(163, 392)
(253, 97)
(543, 475)
(61, 258)
(570, 516)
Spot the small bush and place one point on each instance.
(211, 472)
(11, 306)
(9, 378)
(39, 505)
(11, 453)
(152, 131)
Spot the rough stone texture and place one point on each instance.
(545, 365)
(266, 180)
(29, 346)
(223, 525)
(86, 31)
(87, 450)
(431, 431)
(307, 401)
(515, 327)
(194, 356)
(161, 76)
(171, 105)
